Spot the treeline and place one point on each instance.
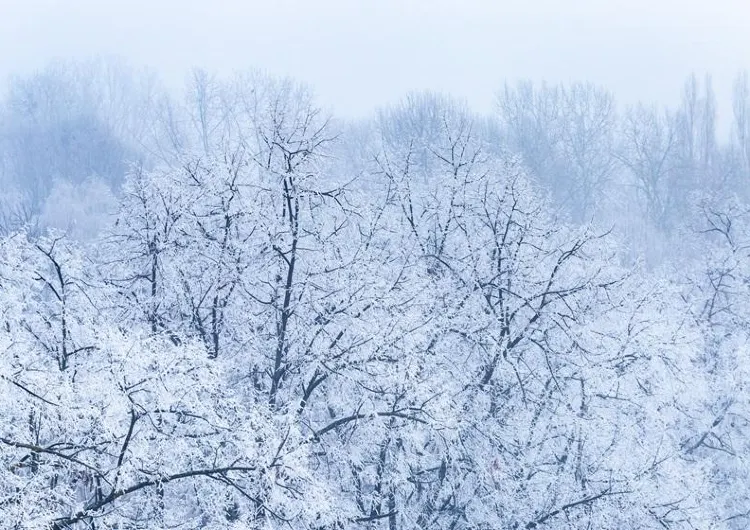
(420, 322)
(70, 133)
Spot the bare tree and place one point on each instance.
(565, 136)
(649, 151)
(741, 120)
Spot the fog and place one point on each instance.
(360, 54)
(374, 265)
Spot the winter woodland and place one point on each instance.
(228, 309)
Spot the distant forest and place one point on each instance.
(71, 133)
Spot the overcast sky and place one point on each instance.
(359, 54)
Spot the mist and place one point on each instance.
(395, 265)
(360, 55)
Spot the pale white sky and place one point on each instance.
(359, 54)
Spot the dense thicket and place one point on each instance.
(270, 319)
